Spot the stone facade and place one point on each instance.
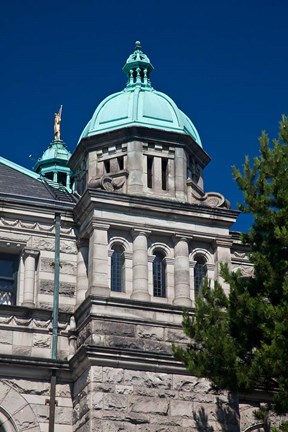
(137, 237)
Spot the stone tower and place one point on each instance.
(148, 234)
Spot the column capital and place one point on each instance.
(138, 231)
(192, 263)
(224, 242)
(30, 252)
(181, 236)
(96, 225)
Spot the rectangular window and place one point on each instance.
(149, 172)
(8, 278)
(107, 166)
(120, 162)
(164, 166)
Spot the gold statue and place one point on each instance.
(57, 122)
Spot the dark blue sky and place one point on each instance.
(223, 62)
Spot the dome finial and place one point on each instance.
(138, 68)
(138, 45)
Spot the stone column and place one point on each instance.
(171, 177)
(98, 260)
(180, 174)
(192, 282)
(135, 167)
(82, 273)
(182, 273)
(140, 266)
(68, 180)
(30, 256)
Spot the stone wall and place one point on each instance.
(116, 399)
(25, 405)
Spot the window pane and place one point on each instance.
(117, 269)
(159, 282)
(8, 275)
(199, 274)
(8, 265)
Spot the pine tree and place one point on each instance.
(240, 341)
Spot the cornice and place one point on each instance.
(131, 133)
(90, 355)
(33, 367)
(86, 309)
(92, 199)
(34, 204)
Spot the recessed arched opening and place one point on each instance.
(117, 268)
(159, 274)
(200, 273)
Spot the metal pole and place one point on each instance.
(55, 322)
(52, 401)
(56, 286)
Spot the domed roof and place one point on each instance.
(57, 151)
(139, 104)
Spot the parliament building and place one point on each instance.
(100, 252)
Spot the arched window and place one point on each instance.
(117, 269)
(200, 272)
(159, 276)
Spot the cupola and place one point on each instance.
(139, 104)
(138, 142)
(53, 163)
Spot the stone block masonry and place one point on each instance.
(117, 399)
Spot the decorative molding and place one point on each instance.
(202, 252)
(181, 236)
(96, 225)
(137, 231)
(120, 241)
(209, 199)
(12, 320)
(30, 252)
(110, 182)
(35, 226)
(128, 255)
(162, 247)
(238, 254)
(226, 243)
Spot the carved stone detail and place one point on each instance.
(211, 199)
(35, 226)
(109, 183)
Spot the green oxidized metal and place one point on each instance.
(139, 104)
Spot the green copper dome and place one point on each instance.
(56, 152)
(139, 104)
(53, 164)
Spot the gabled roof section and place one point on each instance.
(19, 168)
(20, 182)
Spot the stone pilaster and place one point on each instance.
(29, 256)
(180, 174)
(98, 260)
(223, 254)
(82, 274)
(140, 266)
(182, 272)
(135, 167)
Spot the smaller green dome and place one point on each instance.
(56, 152)
(139, 104)
(53, 164)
